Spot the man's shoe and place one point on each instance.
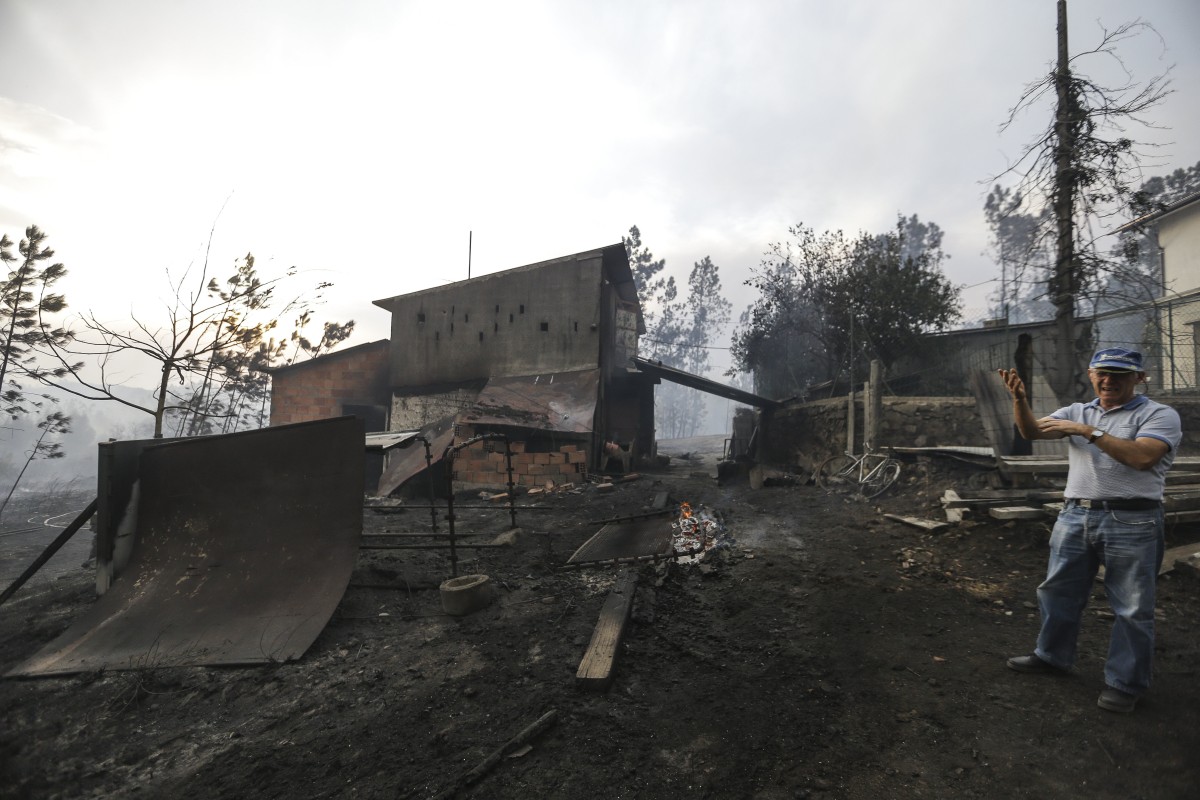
(1033, 665)
(1115, 700)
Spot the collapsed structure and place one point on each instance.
(543, 354)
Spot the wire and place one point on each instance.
(680, 344)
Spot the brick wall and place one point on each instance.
(319, 389)
(483, 465)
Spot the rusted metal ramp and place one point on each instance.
(244, 546)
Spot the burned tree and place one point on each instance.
(1077, 174)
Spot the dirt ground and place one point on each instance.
(826, 652)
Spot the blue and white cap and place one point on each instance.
(1117, 359)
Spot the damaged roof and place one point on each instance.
(560, 402)
(616, 271)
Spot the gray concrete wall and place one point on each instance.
(524, 321)
(413, 412)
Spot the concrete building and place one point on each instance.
(542, 353)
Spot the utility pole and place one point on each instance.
(1065, 284)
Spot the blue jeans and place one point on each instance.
(1130, 546)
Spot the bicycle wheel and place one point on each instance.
(880, 478)
(838, 474)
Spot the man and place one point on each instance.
(1121, 446)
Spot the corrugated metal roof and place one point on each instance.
(389, 439)
(563, 402)
(556, 401)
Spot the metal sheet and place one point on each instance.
(564, 402)
(647, 537)
(405, 465)
(700, 383)
(245, 545)
(387, 441)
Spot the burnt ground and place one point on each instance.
(826, 653)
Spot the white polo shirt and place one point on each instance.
(1095, 475)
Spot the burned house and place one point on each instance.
(543, 354)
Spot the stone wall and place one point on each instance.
(805, 434)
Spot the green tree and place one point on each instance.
(828, 304)
(27, 302)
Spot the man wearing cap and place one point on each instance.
(1121, 446)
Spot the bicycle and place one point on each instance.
(868, 475)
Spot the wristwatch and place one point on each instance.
(1094, 435)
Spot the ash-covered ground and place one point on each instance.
(826, 652)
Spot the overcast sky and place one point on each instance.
(363, 141)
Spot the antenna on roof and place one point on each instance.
(470, 235)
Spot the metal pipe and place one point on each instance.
(448, 456)
(449, 546)
(423, 535)
(487, 508)
(432, 494)
(50, 550)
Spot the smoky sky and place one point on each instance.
(363, 143)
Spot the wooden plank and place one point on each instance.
(1188, 502)
(596, 669)
(1017, 512)
(1033, 464)
(1015, 497)
(1058, 466)
(930, 525)
(1189, 565)
(1181, 553)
